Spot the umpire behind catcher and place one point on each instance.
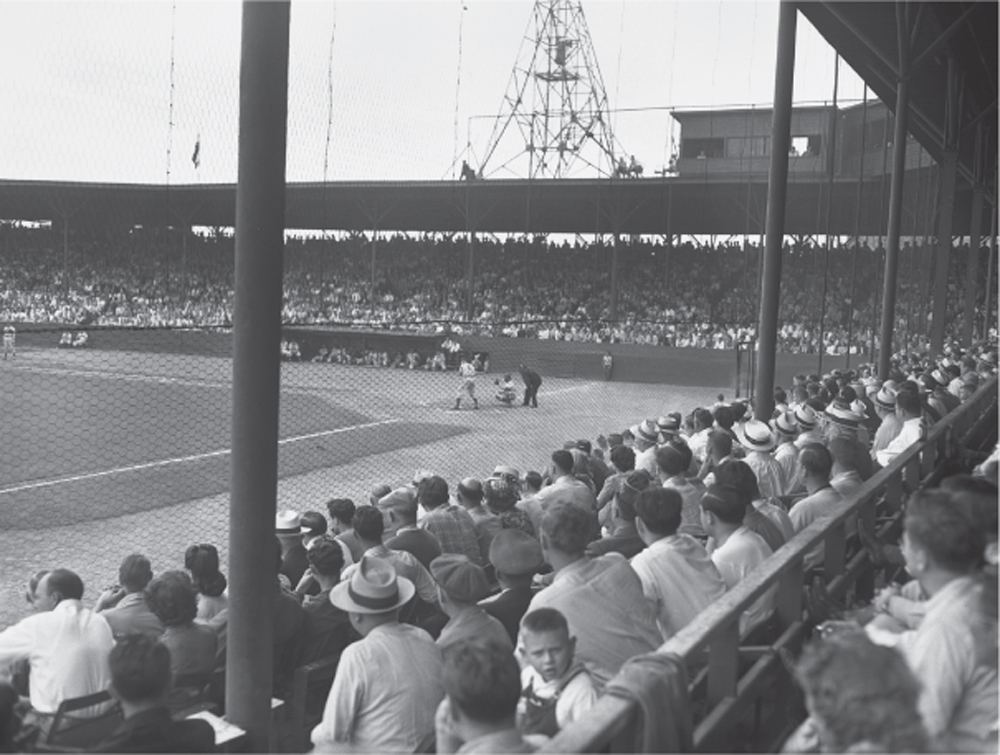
(532, 382)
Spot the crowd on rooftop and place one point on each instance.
(489, 613)
(688, 295)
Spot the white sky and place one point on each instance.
(85, 94)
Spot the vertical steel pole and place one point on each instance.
(470, 304)
(991, 272)
(777, 186)
(975, 235)
(949, 172)
(616, 250)
(895, 202)
(260, 225)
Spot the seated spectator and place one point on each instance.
(891, 424)
(399, 512)
(702, 420)
(763, 517)
(816, 464)
(735, 550)
(173, 599)
(516, 558)
(844, 477)
(807, 421)
(66, 645)
(202, 561)
(556, 688)
(529, 503)
(758, 441)
(623, 462)
(288, 529)
(328, 630)
(500, 497)
(787, 453)
(908, 409)
(461, 585)
(342, 518)
(388, 684)
(450, 524)
(843, 423)
(718, 449)
(601, 598)
(646, 435)
(625, 538)
(564, 486)
(140, 681)
(470, 497)
(676, 572)
(673, 459)
(860, 698)
(478, 712)
(125, 609)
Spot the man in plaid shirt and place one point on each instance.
(448, 522)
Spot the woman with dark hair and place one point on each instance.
(500, 497)
(861, 697)
(172, 597)
(203, 563)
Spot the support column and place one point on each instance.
(939, 310)
(972, 269)
(777, 187)
(990, 273)
(614, 275)
(470, 274)
(260, 225)
(895, 204)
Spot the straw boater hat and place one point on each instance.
(669, 426)
(805, 416)
(646, 430)
(373, 588)
(785, 423)
(885, 399)
(287, 523)
(755, 435)
(842, 415)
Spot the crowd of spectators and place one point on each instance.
(488, 614)
(702, 295)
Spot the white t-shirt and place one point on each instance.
(743, 552)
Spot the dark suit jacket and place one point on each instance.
(294, 564)
(421, 543)
(509, 607)
(154, 731)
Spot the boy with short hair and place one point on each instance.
(556, 689)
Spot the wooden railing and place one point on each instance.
(735, 679)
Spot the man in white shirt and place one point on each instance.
(816, 464)
(703, 422)
(735, 550)
(646, 436)
(676, 572)
(807, 421)
(908, 409)
(885, 408)
(565, 487)
(66, 644)
(787, 453)
(758, 441)
(671, 462)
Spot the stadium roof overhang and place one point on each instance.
(718, 205)
(867, 36)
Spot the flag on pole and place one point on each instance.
(196, 156)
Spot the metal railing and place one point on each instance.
(735, 679)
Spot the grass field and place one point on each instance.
(112, 453)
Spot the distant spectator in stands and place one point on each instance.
(469, 494)
(564, 486)
(482, 689)
(399, 513)
(500, 499)
(388, 685)
(860, 698)
(673, 459)
(461, 585)
(891, 424)
(65, 644)
(817, 465)
(342, 523)
(516, 557)
(328, 630)
(908, 409)
(624, 538)
(125, 609)
(202, 561)
(758, 441)
(450, 524)
(735, 550)
(601, 598)
(647, 434)
(556, 688)
(676, 572)
(288, 529)
(378, 493)
(762, 516)
(172, 597)
(140, 680)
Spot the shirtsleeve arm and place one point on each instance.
(17, 641)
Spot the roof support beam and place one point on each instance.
(943, 38)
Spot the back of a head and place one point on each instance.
(342, 510)
(946, 526)
(402, 506)
(724, 502)
(432, 492)
(738, 475)
(135, 572)
(816, 460)
(862, 693)
(482, 679)
(140, 668)
(172, 598)
(545, 620)
(909, 402)
(326, 556)
(533, 479)
(720, 443)
(670, 460)
(724, 417)
(843, 452)
(67, 583)
(660, 510)
(981, 494)
(702, 418)
(567, 528)
(623, 458)
(563, 461)
(369, 524)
